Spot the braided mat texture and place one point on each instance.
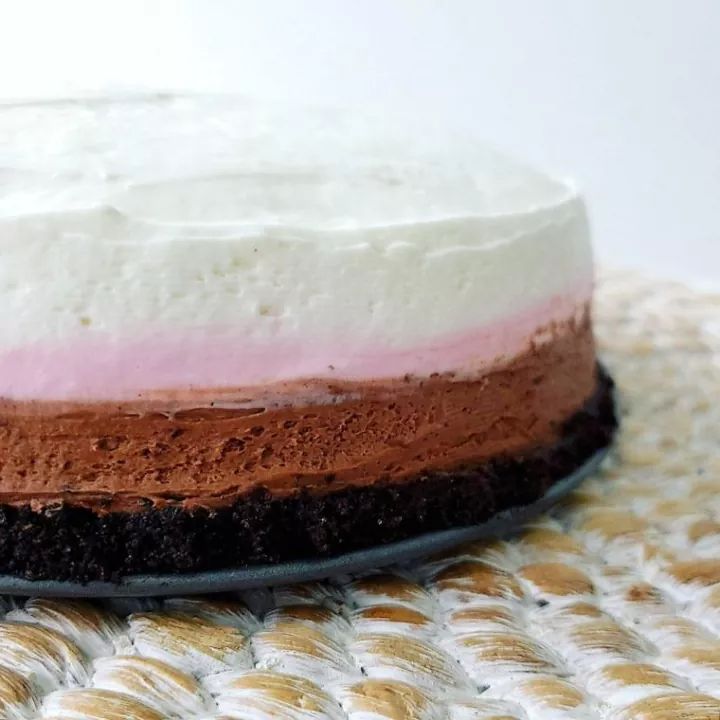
(607, 608)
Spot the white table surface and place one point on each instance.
(624, 95)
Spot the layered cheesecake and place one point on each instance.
(233, 334)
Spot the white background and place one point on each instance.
(624, 95)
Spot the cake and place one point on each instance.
(237, 334)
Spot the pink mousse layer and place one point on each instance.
(98, 367)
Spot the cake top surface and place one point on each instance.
(223, 161)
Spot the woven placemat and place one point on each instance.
(607, 608)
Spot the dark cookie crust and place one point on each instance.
(70, 543)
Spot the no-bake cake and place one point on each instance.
(233, 334)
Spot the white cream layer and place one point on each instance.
(128, 227)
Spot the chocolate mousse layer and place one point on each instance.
(96, 492)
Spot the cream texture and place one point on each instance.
(218, 223)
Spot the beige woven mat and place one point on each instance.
(608, 608)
